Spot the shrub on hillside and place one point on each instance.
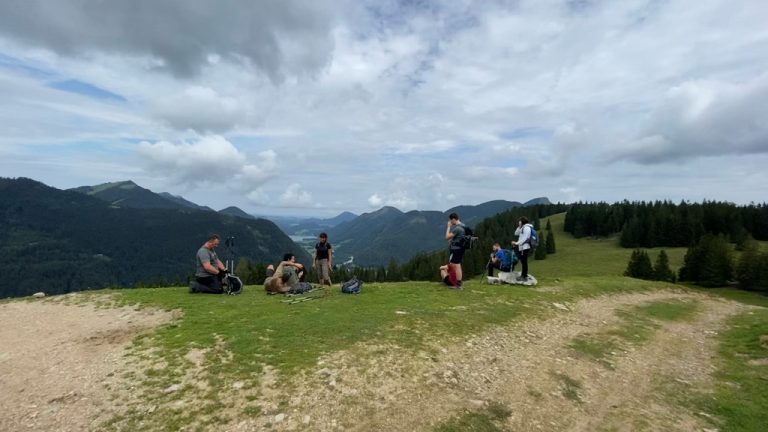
(708, 263)
(639, 265)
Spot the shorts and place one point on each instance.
(322, 269)
(456, 256)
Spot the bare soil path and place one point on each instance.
(57, 361)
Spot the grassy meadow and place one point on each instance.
(253, 330)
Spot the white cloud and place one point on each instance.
(704, 118)
(375, 201)
(201, 109)
(258, 196)
(260, 171)
(210, 159)
(295, 196)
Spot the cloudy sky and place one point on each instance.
(313, 107)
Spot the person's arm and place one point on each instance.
(518, 231)
(448, 233)
(209, 268)
(314, 259)
(330, 257)
(220, 266)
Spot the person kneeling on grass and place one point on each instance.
(210, 271)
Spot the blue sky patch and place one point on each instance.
(527, 132)
(24, 68)
(85, 89)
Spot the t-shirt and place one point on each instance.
(205, 255)
(293, 277)
(322, 250)
(458, 232)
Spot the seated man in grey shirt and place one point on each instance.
(210, 271)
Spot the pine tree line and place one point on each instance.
(708, 263)
(663, 223)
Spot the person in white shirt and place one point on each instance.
(523, 245)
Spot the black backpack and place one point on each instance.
(232, 284)
(352, 286)
(468, 239)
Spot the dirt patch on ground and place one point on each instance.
(56, 360)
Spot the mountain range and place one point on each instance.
(376, 238)
(59, 241)
(121, 234)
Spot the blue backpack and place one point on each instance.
(506, 260)
(533, 240)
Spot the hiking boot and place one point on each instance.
(460, 285)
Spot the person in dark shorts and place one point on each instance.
(323, 259)
(454, 230)
(210, 270)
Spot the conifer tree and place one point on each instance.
(639, 265)
(748, 268)
(708, 262)
(541, 250)
(393, 271)
(661, 270)
(549, 225)
(550, 241)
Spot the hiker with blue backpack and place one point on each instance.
(527, 240)
(502, 259)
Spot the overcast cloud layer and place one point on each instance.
(315, 107)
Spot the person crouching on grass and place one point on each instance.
(454, 231)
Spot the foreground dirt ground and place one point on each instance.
(57, 360)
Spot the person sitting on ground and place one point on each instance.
(501, 259)
(285, 276)
(210, 270)
(323, 258)
(447, 275)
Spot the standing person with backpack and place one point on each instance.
(527, 240)
(323, 258)
(454, 231)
